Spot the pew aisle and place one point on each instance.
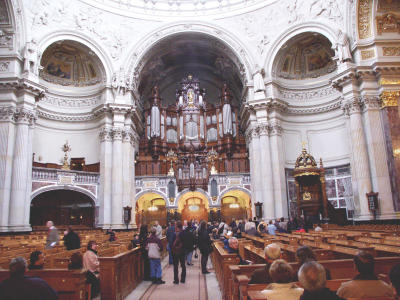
(196, 287)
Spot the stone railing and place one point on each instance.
(79, 177)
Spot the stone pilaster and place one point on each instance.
(266, 185)
(253, 141)
(361, 176)
(7, 141)
(376, 148)
(105, 176)
(20, 182)
(117, 177)
(278, 169)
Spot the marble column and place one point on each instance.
(30, 164)
(20, 172)
(128, 170)
(376, 148)
(266, 184)
(117, 184)
(278, 169)
(361, 176)
(7, 141)
(255, 168)
(105, 177)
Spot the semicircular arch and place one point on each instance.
(93, 45)
(288, 34)
(64, 187)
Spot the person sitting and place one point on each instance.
(21, 287)
(365, 284)
(136, 241)
(271, 228)
(272, 252)
(71, 239)
(250, 228)
(232, 246)
(282, 287)
(112, 237)
(394, 276)
(91, 265)
(304, 254)
(36, 260)
(313, 279)
(318, 228)
(76, 261)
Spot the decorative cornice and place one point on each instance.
(23, 84)
(308, 94)
(72, 102)
(314, 109)
(66, 117)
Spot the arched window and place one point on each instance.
(214, 188)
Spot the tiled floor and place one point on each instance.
(195, 287)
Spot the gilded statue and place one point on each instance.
(306, 196)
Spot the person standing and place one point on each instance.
(188, 242)
(52, 236)
(71, 239)
(170, 238)
(158, 228)
(204, 245)
(143, 235)
(21, 287)
(178, 252)
(154, 248)
(91, 265)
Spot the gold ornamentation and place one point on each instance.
(364, 18)
(367, 54)
(388, 5)
(306, 174)
(211, 156)
(388, 23)
(306, 196)
(391, 51)
(172, 157)
(390, 98)
(66, 148)
(387, 81)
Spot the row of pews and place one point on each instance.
(121, 268)
(334, 249)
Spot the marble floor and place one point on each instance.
(196, 287)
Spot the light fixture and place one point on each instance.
(152, 207)
(193, 207)
(234, 205)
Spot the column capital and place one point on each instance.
(251, 133)
(276, 128)
(105, 134)
(25, 116)
(351, 106)
(117, 133)
(7, 113)
(263, 129)
(370, 103)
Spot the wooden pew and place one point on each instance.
(120, 274)
(69, 284)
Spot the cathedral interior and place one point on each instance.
(118, 113)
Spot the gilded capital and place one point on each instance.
(390, 98)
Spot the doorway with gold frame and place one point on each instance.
(193, 206)
(151, 207)
(235, 204)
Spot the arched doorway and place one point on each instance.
(235, 204)
(151, 207)
(193, 205)
(63, 207)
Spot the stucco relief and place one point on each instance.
(4, 66)
(114, 33)
(308, 95)
(72, 102)
(364, 18)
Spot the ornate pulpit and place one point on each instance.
(310, 187)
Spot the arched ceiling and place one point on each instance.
(307, 55)
(175, 57)
(192, 198)
(236, 196)
(149, 199)
(72, 64)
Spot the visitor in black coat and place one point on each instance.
(188, 242)
(71, 239)
(143, 235)
(204, 245)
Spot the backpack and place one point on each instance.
(177, 246)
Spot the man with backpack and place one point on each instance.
(178, 254)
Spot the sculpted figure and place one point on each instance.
(30, 57)
(343, 47)
(258, 79)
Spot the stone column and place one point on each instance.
(278, 169)
(7, 141)
(255, 167)
(361, 176)
(105, 176)
(376, 148)
(117, 185)
(266, 184)
(20, 172)
(30, 164)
